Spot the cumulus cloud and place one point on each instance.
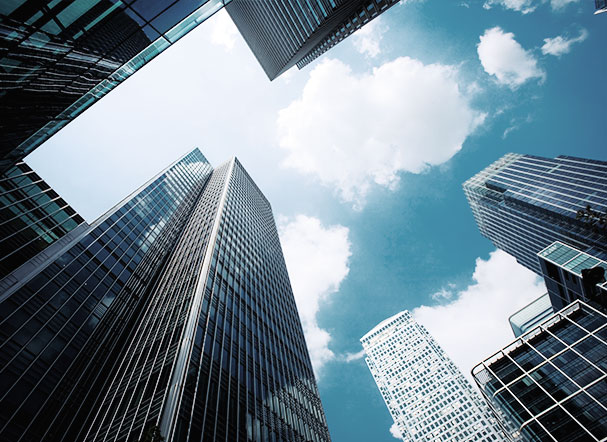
(395, 432)
(527, 6)
(223, 30)
(560, 45)
(524, 6)
(444, 293)
(515, 124)
(349, 357)
(560, 4)
(502, 56)
(475, 324)
(317, 260)
(368, 38)
(351, 130)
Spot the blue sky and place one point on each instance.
(362, 155)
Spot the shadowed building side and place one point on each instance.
(284, 34)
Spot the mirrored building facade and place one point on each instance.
(173, 312)
(59, 57)
(426, 394)
(32, 217)
(551, 383)
(524, 203)
(284, 34)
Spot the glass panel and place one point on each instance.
(553, 381)
(576, 368)
(531, 395)
(562, 427)
(589, 413)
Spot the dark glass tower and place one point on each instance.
(61, 56)
(568, 276)
(32, 217)
(551, 383)
(289, 33)
(524, 203)
(173, 312)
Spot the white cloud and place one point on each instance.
(445, 293)
(223, 32)
(368, 38)
(317, 260)
(395, 432)
(349, 357)
(475, 324)
(560, 4)
(527, 6)
(515, 124)
(560, 45)
(502, 56)
(524, 6)
(351, 130)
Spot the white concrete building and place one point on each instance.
(428, 397)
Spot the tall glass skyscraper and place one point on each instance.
(59, 57)
(524, 203)
(32, 217)
(550, 384)
(285, 34)
(172, 312)
(428, 397)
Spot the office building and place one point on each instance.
(426, 394)
(600, 6)
(172, 313)
(550, 384)
(284, 34)
(57, 58)
(570, 274)
(32, 217)
(531, 315)
(524, 203)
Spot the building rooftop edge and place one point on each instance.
(383, 323)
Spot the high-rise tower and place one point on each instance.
(32, 217)
(60, 57)
(285, 34)
(173, 312)
(428, 397)
(524, 203)
(550, 384)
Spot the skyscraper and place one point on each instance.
(285, 34)
(531, 315)
(32, 218)
(570, 275)
(550, 384)
(524, 203)
(173, 312)
(427, 396)
(60, 57)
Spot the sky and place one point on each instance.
(362, 155)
